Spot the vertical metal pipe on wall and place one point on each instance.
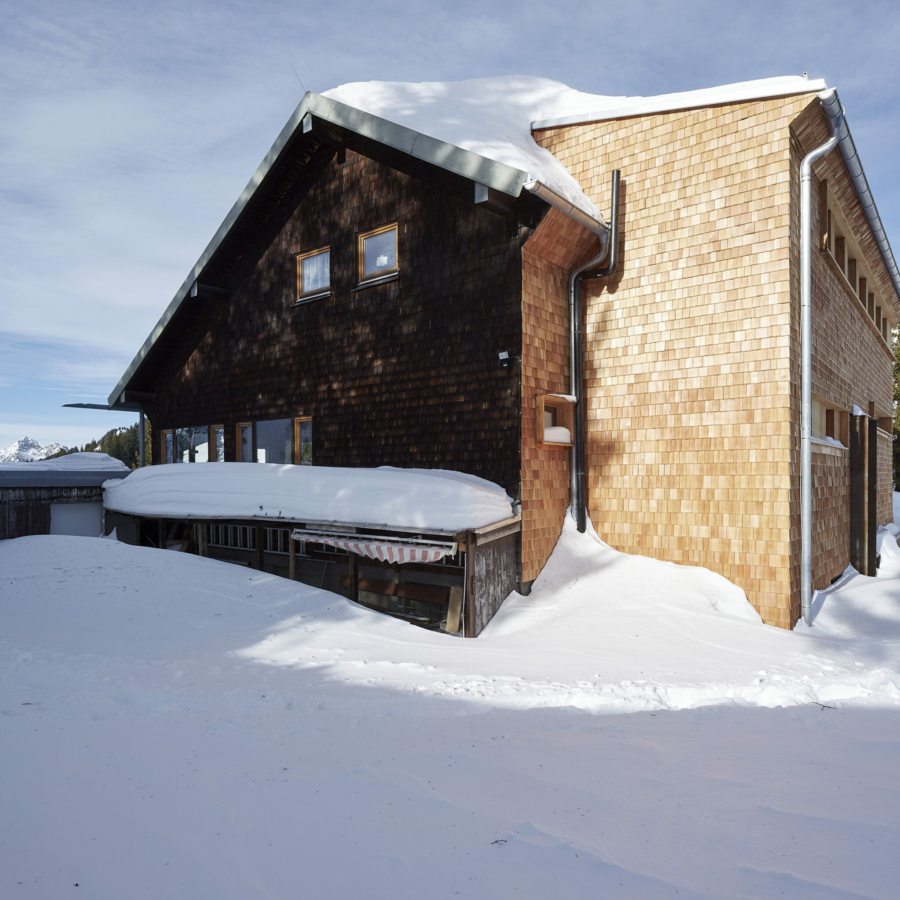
(588, 270)
(806, 368)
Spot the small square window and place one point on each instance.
(378, 252)
(313, 272)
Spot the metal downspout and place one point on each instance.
(608, 237)
(610, 245)
(806, 367)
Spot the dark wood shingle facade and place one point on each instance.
(404, 373)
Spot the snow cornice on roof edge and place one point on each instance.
(623, 107)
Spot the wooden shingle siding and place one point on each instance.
(25, 511)
(692, 348)
(556, 247)
(404, 373)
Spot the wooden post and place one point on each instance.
(863, 493)
(454, 610)
(260, 546)
(292, 555)
(872, 499)
(354, 577)
(162, 534)
(470, 618)
(204, 539)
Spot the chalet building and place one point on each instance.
(393, 290)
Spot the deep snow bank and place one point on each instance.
(601, 631)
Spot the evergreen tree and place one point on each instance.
(123, 444)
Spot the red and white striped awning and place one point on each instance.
(386, 551)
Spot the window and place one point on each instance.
(555, 419)
(218, 442)
(192, 444)
(313, 274)
(273, 441)
(377, 253)
(167, 446)
(837, 240)
(245, 442)
(303, 441)
(829, 422)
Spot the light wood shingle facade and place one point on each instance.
(691, 373)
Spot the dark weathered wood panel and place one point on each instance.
(404, 373)
(25, 511)
(491, 577)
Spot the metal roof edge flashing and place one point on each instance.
(831, 107)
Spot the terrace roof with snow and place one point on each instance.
(432, 501)
(71, 470)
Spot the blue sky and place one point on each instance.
(128, 130)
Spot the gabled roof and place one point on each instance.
(316, 122)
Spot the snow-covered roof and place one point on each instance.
(488, 116)
(430, 500)
(494, 117)
(71, 470)
(575, 107)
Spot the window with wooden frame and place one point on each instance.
(313, 274)
(245, 441)
(554, 420)
(217, 443)
(167, 446)
(377, 253)
(830, 423)
(303, 441)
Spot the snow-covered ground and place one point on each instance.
(177, 727)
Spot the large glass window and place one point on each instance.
(219, 442)
(245, 442)
(313, 272)
(273, 441)
(303, 441)
(168, 446)
(192, 444)
(378, 252)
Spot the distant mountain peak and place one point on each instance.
(28, 450)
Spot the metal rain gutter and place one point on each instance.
(548, 195)
(836, 122)
(834, 112)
